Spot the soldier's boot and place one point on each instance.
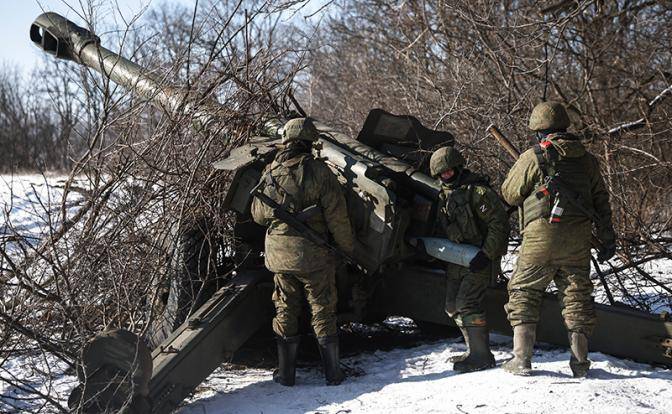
(479, 356)
(286, 372)
(579, 362)
(523, 345)
(330, 361)
(461, 357)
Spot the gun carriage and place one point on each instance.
(390, 201)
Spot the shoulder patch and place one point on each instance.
(481, 189)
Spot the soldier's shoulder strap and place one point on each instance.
(296, 168)
(470, 193)
(461, 195)
(546, 155)
(309, 168)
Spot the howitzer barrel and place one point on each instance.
(62, 38)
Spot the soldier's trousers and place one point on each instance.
(464, 295)
(527, 286)
(319, 288)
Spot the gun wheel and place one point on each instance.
(196, 263)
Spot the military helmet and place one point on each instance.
(299, 129)
(444, 159)
(549, 115)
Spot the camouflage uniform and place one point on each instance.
(297, 181)
(556, 251)
(299, 265)
(471, 213)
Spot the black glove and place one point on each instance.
(422, 251)
(479, 262)
(606, 253)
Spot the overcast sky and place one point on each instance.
(17, 15)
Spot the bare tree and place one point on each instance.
(145, 185)
(149, 204)
(462, 65)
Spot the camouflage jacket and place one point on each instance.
(470, 212)
(296, 181)
(569, 240)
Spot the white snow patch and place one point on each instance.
(38, 373)
(421, 380)
(31, 205)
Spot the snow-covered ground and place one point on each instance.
(410, 380)
(30, 205)
(420, 380)
(417, 379)
(21, 378)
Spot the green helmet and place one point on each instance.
(549, 115)
(444, 159)
(299, 129)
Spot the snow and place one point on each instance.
(38, 373)
(30, 203)
(639, 289)
(420, 379)
(416, 379)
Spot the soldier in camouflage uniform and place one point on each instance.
(470, 212)
(556, 235)
(297, 181)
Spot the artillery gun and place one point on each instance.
(390, 202)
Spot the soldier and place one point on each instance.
(470, 213)
(556, 232)
(297, 181)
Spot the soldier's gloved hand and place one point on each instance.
(422, 251)
(606, 253)
(479, 262)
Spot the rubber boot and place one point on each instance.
(479, 356)
(461, 357)
(286, 372)
(579, 362)
(523, 345)
(329, 352)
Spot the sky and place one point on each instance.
(17, 16)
